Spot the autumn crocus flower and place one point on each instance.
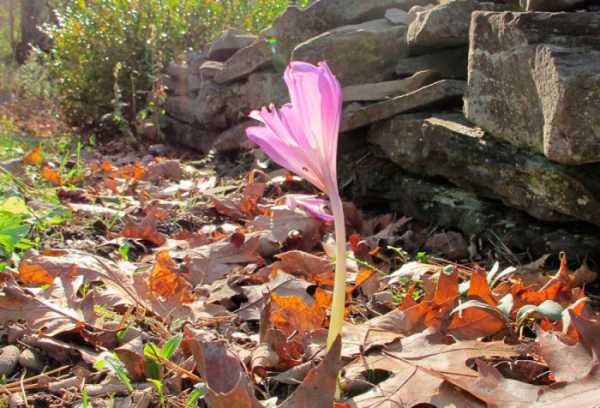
(302, 137)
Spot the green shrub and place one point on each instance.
(95, 39)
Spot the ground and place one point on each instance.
(141, 274)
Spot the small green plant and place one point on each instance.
(153, 355)
(196, 395)
(13, 228)
(112, 362)
(158, 384)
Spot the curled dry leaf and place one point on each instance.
(292, 315)
(227, 382)
(318, 387)
(166, 281)
(277, 227)
(146, 230)
(414, 366)
(475, 322)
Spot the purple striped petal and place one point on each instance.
(311, 204)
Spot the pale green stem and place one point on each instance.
(339, 287)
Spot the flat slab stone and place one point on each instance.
(228, 43)
(433, 203)
(297, 25)
(553, 5)
(441, 91)
(384, 90)
(359, 53)
(534, 81)
(245, 61)
(450, 63)
(451, 148)
(396, 16)
(445, 25)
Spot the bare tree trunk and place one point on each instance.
(11, 27)
(34, 13)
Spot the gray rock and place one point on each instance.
(414, 10)
(234, 139)
(449, 244)
(32, 360)
(534, 82)
(384, 90)
(442, 91)
(228, 43)
(452, 207)
(9, 356)
(396, 16)
(445, 25)
(245, 61)
(553, 5)
(181, 108)
(263, 89)
(295, 25)
(191, 136)
(357, 53)
(209, 69)
(451, 63)
(451, 148)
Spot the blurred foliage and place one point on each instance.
(136, 38)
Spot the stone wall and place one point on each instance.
(495, 104)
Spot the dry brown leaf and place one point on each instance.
(209, 263)
(318, 387)
(227, 382)
(568, 362)
(414, 364)
(279, 227)
(146, 229)
(47, 310)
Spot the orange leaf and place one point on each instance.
(165, 280)
(34, 156)
(51, 175)
(107, 166)
(479, 288)
(444, 299)
(291, 314)
(34, 274)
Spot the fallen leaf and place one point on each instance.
(318, 387)
(51, 175)
(291, 314)
(227, 383)
(568, 362)
(146, 230)
(34, 156)
(209, 263)
(476, 322)
(166, 281)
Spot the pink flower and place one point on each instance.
(303, 138)
(313, 205)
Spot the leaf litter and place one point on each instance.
(177, 282)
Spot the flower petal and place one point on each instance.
(311, 204)
(285, 155)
